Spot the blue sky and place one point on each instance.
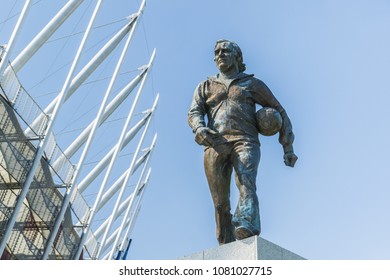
(327, 62)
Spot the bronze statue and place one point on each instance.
(231, 139)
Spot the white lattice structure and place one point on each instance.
(44, 212)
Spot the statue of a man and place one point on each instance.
(231, 140)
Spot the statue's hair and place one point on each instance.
(237, 53)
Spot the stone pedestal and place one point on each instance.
(252, 248)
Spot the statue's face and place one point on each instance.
(224, 56)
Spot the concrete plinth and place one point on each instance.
(252, 248)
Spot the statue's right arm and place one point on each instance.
(203, 135)
(197, 109)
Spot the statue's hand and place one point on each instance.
(290, 158)
(205, 136)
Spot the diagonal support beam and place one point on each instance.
(111, 107)
(87, 70)
(9, 47)
(130, 206)
(117, 150)
(83, 185)
(124, 184)
(44, 35)
(116, 186)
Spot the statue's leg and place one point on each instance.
(246, 158)
(218, 172)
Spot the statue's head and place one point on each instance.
(232, 55)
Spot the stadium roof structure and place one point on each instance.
(53, 205)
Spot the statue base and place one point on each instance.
(252, 248)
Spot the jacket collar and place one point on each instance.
(240, 76)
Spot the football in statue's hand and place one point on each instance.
(269, 121)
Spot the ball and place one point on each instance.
(269, 121)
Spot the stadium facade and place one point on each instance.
(47, 210)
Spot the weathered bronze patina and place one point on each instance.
(231, 139)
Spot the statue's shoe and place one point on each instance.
(242, 233)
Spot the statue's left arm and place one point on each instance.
(265, 98)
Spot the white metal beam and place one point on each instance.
(111, 107)
(103, 163)
(116, 186)
(131, 221)
(91, 136)
(99, 232)
(114, 189)
(130, 206)
(9, 47)
(124, 184)
(44, 35)
(87, 70)
(104, 198)
(70, 191)
(127, 221)
(119, 145)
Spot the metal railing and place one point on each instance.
(28, 111)
(19, 109)
(80, 207)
